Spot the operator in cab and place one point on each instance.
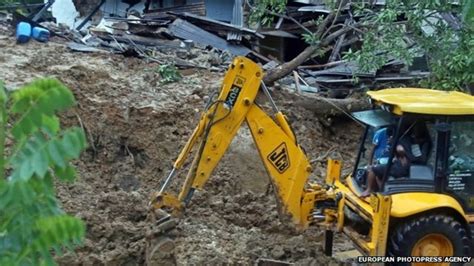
(382, 141)
(399, 168)
(413, 147)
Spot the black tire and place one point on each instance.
(406, 235)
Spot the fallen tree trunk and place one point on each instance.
(324, 40)
(321, 106)
(332, 107)
(284, 69)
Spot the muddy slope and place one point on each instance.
(136, 127)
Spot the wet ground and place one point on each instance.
(135, 127)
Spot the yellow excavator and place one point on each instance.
(427, 212)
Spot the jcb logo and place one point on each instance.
(234, 91)
(279, 158)
(232, 96)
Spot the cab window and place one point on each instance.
(461, 149)
(461, 162)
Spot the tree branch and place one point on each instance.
(336, 16)
(284, 69)
(282, 16)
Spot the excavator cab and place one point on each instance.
(383, 131)
(432, 206)
(447, 146)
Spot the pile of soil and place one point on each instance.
(136, 127)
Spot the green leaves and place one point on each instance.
(39, 147)
(405, 29)
(39, 153)
(37, 104)
(55, 231)
(310, 39)
(263, 11)
(168, 73)
(3, 94)
(3, 123)
(468, 12)
(32, 223)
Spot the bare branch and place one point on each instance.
(336, 16)
(331, 37)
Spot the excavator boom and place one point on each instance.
(374, 223)
(300, 201)
(284, 159)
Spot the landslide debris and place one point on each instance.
(135, 127)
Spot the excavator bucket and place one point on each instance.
(160, 238)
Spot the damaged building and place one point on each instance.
(221, 27)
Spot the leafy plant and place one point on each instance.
(263, 9)
(168, 73)
(33, 152)
(448, 48)
(401, 29)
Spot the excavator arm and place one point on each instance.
(284, 160)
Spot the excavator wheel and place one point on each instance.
(160, 238)
(431, 235)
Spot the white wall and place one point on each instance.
(64, 11)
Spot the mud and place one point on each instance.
(135, 127)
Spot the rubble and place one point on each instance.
(173, 29)
(136, 124)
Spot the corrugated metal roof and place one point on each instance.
(238, 20)
(185, 30)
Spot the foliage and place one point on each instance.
(33, 151)
(262, 10)
(405, 29)
(449, 50)
(311, 38)
(168, 73)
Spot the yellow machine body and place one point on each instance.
(288, 166)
